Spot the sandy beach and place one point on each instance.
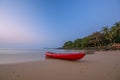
(103, 65)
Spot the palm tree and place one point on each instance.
(117, 31)
(107, 34)
(117, 26)
(114, 33)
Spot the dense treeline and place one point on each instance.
(99, 39)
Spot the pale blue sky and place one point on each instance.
(49, 23)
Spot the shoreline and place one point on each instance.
(93, 48)
(103, 65)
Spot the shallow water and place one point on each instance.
(8, 56)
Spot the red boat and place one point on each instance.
(67, 56)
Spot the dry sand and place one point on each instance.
(98, 66)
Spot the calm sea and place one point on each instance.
(8, 56)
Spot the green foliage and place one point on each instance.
(77, 43)
(68, 44)
(85, 42)
(106, 36)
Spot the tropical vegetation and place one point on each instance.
(106, 38)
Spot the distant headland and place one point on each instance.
(106, 39)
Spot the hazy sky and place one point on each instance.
(49, 23)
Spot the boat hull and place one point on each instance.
(67, 56)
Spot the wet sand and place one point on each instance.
(103, 65)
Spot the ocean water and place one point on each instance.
(8, 56)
